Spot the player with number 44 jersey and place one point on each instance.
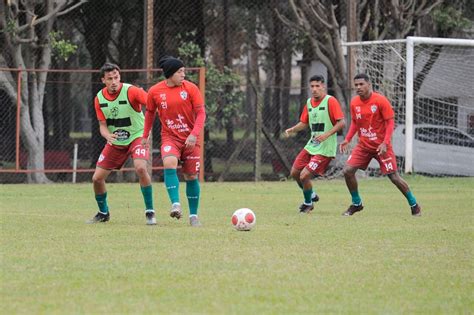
(118, 108)
(180, 108)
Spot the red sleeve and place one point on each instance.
(353, 127)
(386, 109)
(335, 111)
(304, 115)
(199, 122)
(195, 95)
(389, 126)
(352, 131)
(98, 111)
(137, 97)
(198, 108)
(149, 114)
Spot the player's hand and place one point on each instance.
(382, 148)
(191, 141)
(111, 137)
(343, 147)
(289, 132)
(321, 137)
(144, 142)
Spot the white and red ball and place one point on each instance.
(243, 219)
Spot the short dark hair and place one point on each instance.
(317, 77)
(107, 67)
(362, 76)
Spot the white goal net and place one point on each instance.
(430, 83)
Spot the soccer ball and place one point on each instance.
(243, 219)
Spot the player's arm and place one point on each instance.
(301, 125)
(388, 116)
(137, 97)
(149, 117)
(343, 147)
(337, 118)
(295, 129)
(103, 130)
(338, 126)
(200, 113)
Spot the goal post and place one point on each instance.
(429, 83)
(411, 43)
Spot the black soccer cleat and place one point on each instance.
(315, 198)
(416, 210)
(353, 209)
(306, 208)
(99, 217)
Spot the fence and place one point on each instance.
(71, 141)
(62, 129)
(258, 57)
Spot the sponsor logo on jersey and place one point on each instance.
(184, 95)
(368, 133)
(122, 134)
(178, 125)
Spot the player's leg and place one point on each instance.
(305, 178)
(405, 190)
(110, 158)
(316, 167)
(100, 192)
(171, 153)
(388, 166)
(170, 163)
(358, 159)
(140, 156)
(301, 160)
(191, 166)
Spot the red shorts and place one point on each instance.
(190, 160)
(316, 164)
(114, 156)
(360, 158)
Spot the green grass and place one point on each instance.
(380, 261)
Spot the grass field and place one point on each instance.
(380, 261)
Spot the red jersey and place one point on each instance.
(136, 96)
(180, 109)
(370, 117)
(334, 108)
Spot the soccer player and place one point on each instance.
(372, 117)
(118, 108)
(323, 114)
(180, 107)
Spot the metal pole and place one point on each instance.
(202, 88)
(409, 107)
(149, 65)
(74, 163)
(18, 112)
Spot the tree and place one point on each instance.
(378, 19)
(217, 82)
(25, 33)
(99, 20)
